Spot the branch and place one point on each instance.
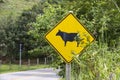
(116, 5)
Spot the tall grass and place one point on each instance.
(97, 63)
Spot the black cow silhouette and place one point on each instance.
(69, 37)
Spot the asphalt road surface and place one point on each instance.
(40, 74)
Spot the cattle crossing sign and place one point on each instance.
(69, 36)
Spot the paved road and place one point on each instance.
(40, 74)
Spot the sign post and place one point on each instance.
(20, 61)
(69, 36)
(68, 71)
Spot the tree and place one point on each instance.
(101, 18)
(43, 23)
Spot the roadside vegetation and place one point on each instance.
(15, 7)
(6, 68)
(99, 61)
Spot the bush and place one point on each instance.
(96, 63)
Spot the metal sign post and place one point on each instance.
(20, 61)
(68, 71)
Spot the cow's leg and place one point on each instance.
(78, 44)
(65, 43)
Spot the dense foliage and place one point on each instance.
(100, 61)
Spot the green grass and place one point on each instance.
(15, 7)
(14, 68)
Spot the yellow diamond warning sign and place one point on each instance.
(68, 36)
